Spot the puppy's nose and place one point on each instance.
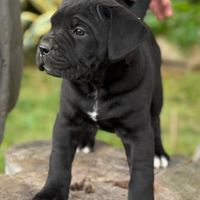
(44, 49)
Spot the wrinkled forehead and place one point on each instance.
(88, 12)
(72, 3)
(85, 8)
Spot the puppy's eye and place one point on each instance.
(79, 32)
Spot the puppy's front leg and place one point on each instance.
(139, 150)
(66, 136)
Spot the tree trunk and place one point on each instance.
(10, 57)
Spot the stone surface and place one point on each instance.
(102, 174)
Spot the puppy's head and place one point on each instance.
(85, 35)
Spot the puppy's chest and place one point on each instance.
(94, 107)
(97, 109)
(94, 113)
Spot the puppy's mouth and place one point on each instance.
(49, 70)
(69, 72)
(46, 68)
(43, 67)
(44, 64)
(43, 56)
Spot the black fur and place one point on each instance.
(112, 62)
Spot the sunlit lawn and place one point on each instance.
(35, 112)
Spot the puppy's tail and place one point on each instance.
(139, 7)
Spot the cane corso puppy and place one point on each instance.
(110, 65)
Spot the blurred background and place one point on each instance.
(179, 39)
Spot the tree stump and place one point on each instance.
(101, 175)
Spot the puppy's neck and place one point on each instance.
(99, 75)
(123, 75)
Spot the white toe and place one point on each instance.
(164, 162)
(157, 162)
(78, 150)
(86, 150)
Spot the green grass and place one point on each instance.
(38, 103)
(181, 109)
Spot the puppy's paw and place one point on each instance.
(161, 161)
(86, 143)
(46, 196)
(85, 150)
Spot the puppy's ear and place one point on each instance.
(127, 32)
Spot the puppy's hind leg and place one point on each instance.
(161, 158)
(87, 141)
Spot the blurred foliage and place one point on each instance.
(35, 18)
(184, 26)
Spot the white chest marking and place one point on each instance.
(93, 115)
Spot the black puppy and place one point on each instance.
(110, 65)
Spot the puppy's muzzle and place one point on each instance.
(44, 54)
